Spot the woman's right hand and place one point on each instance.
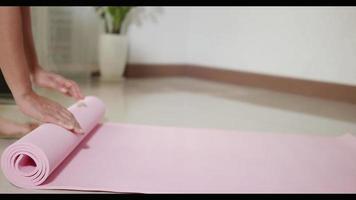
(47, 111)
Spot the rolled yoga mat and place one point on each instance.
(148, 159)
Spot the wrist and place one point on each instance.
(36, 68)
(35, 73)
(23, 95)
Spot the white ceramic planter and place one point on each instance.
(112, 56)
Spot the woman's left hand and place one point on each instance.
(54, 81)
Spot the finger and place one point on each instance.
(73, 91)
(64, 90)
(63, 117)
(66, 123)
(65, 82)
(72, 87)
(58, 121)
(58, 109)
(67, 93)
(68, 114)
(53, 85)
(64, 114)
(77, 128)
(78, 91)
(69, 86)
(61, 84)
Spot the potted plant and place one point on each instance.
(113, 43)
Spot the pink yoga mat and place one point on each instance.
(147, 159)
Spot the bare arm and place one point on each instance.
(16, 70)
(12, 57)
(40, 76)
(29, 45)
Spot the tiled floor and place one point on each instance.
(186, 102)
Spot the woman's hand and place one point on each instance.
(54, 81)
(47, 111)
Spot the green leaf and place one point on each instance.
(116, 13)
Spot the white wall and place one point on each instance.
(158, 35)
(316, 43)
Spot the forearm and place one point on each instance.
(13, 61)
(29, 45)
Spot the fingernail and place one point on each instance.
(79, 129)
